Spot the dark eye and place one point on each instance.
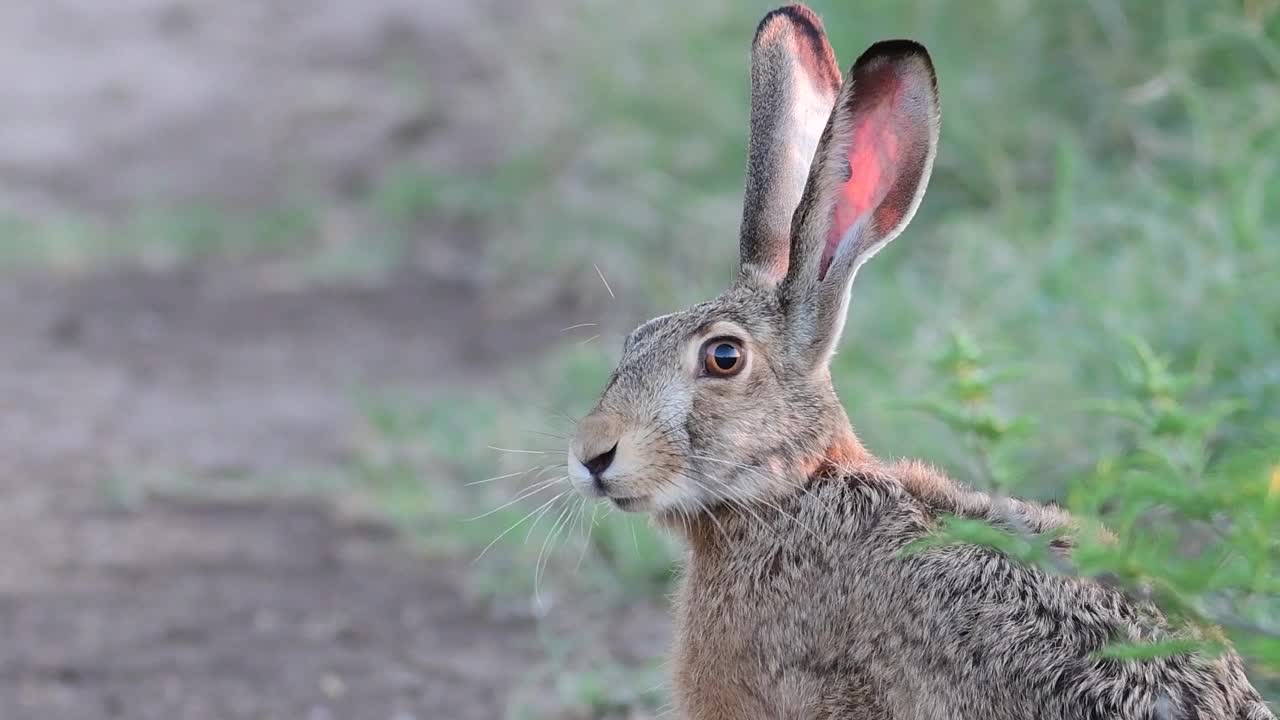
(723, 357)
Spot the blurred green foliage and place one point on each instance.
(1194, 523)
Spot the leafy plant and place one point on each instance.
(1194, 521)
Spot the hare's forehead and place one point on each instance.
(665, 332)
(670, 332)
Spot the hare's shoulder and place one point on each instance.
(936, 495)
(914, 497)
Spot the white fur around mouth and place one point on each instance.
(577, 471)
(580, 477)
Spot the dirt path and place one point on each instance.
(218, 610)
(190, 609)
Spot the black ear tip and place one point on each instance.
(897, 52)
(800, 16)
(795, 32)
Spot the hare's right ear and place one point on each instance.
(868, 176)
(794, 83)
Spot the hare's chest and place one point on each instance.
(746, 649)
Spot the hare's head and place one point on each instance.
(732, 399)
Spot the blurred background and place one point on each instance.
(299, 300)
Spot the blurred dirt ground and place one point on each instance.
(213, 609)
(203, 609)
(111, 106)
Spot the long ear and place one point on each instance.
(868, 177)
(794, 82)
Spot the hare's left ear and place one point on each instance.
(870, 171)
(794, 81)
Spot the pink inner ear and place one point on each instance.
(873, 156)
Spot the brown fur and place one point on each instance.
(813, 611)
(794, 82)
(797, 600)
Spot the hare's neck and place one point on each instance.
(836, 447)
(713, 530)
(840, 449)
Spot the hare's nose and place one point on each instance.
(596, 444)
(598, 464)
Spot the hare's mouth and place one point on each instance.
(628, 504)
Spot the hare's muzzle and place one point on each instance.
(592, 453)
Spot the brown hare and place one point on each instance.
(722, 422)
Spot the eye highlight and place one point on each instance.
(723, 357)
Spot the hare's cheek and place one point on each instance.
(672, 410)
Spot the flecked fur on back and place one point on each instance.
(813, 610)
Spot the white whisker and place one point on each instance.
(515, 525)
(509, 475)
(538, 565)
(575, 327)
(548, 434)
(523, 494)
(606, 282)
(591, 525)
(527, 452)
(562, 416)
(534, 526)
